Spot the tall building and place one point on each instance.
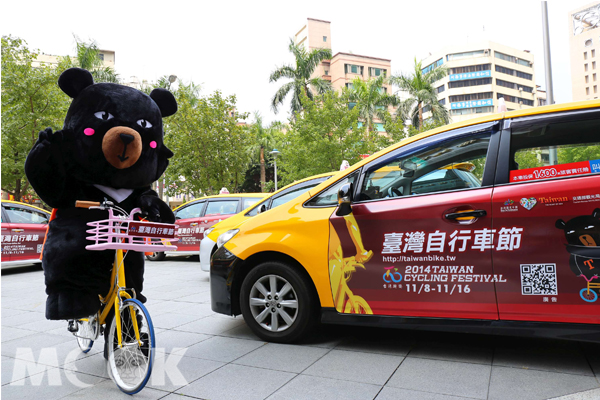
(343, 68)
(584, 41)
(481, 73)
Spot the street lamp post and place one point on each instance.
(275, 153)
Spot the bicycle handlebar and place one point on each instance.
(86, 204)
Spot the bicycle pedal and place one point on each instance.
(72, 327)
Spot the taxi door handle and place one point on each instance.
(18, 230)
(194, 224)
(474, 214)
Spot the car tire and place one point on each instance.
(156, 256)
(274, 316)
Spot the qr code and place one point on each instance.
(538, 279)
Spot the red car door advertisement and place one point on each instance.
(417, 256)
(23, 241)
(554, 274)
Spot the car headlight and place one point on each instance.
(208, 232)
(226, 237)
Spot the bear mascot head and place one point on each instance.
(110, 148)
(583, 238)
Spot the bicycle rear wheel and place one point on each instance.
(87, 332)
(130, 365)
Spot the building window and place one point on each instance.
(513, 72)
(468, 54)
(595, 89)
(541, 102)
(587, 79)
(471, 68)
(593, 53)
(585, 55)
(351, 106)
(353, 69)
(432, 66)
(440, 89)
(514, 99)
(377, 72)
(594, 77)
(593, 64)
(473, 96)
(512, 85)
(324, 38)
(349, 86)
(442, 101)
(587, 91)
(326, 72)
(469, 82)
(513, 59)
(588, 43)
(101, 56)
(586, 67)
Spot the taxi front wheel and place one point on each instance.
(156, 256)
(278, 303)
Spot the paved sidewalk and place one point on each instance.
(219, 357)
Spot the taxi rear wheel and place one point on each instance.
(278, 303)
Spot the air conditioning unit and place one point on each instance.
(486, 52)
(520, 89)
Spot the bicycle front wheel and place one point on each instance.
(130, 364)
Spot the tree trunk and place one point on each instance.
(420, 116)
(18, 190)
(263, 178)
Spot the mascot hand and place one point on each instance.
(157, 210)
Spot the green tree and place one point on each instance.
(300, 74)
(321, 137)
(263, 137)
(88, 57)
(419, 87)
(31, 102)
(371, 99)
(210, 147)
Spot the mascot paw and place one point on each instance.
(156, 209)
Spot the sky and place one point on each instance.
(233, 46)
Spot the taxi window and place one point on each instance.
(221, 207)
(191, 211)
(554, 150)
(289, 196)
(442, 166)
(18, 215)
(328, 197)
(250, 201)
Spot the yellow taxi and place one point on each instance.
(487, 225)
(208, 245)
(195, 216)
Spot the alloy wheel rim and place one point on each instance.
(273, 303)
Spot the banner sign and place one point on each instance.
(470, 75)
(471, 103)
(555, 171)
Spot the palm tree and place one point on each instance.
(371, 98)
(301, 73)
(88, 58)
(422, 93)
(263, 138)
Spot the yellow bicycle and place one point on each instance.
(131, 336)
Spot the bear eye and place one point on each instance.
(144, 123)
(568, 233)
(103, 115)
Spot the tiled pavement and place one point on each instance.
(217, 357)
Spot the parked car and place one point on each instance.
(23, 231)
(195, 216)
(208, 245)
(513, 248)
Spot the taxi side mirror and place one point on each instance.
(262, 209)
(344, 200)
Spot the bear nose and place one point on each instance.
(126, 138)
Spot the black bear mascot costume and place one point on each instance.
(111, 147)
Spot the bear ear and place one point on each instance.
(596, 213)
(74, 80)
(165, 100)
(560, 224)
